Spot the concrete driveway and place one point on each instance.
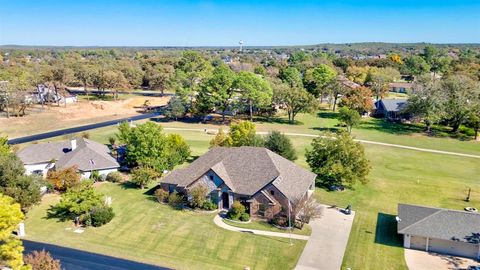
(421, 260)
(327, 244)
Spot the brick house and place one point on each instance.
(260, 179)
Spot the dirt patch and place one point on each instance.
(83, 112)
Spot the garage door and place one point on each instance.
(418, 242)
(454, 248)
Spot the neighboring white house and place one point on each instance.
(87, 155)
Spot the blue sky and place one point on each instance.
(224, 23)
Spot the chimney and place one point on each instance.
(74, 144)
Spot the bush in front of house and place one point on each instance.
(101, 215)
(236, 211)
(209, 205)
(161, 195)
(197, 196)
(114, 177)
(42, 260)
(244, 217)
(175, 200)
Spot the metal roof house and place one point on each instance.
(440, 230)
(87, 155)
(262, 180)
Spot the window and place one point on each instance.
(272, 192)
(262, 209)
(211, 177)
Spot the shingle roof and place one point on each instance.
(246, 170)
(439, 223)
(85, 151)
(394, 105)
(43, 152)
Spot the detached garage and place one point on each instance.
(440, 230)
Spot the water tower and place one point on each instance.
(241, 44)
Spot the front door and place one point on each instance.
(225, 200)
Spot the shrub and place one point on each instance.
(114, 177)
(197, 196)
(142, 176)
(209, 205)
(237, 210)
(101, 215)
(63, 179)
(175, 200)
(161, 195)
(95, 176)
(244, 217)
(41, 260)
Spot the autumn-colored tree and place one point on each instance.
(62, 179)
(42, 260)
(359, 99)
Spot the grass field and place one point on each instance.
(398, 175)
(147, 231)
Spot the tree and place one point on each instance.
(427, 102)
(61, 75)
(308, 209)
(338, 160)
(142, 176)
(115, 80)
(4, 146)
(291, 76)
(357, 74)
(337, 88)
(160, 76)
(42, 260)
(197, 196)
(318, 79)
(280, 144)
(11, 248)
(415, 65)
(294, 100)
(379, 78)
(175, 108)
(62, 179)
(349, 117)
(473, 120)
(84, 73)
(460, 93)
(148, 146)
(244, 134)
(76, 202)
(359, 99)
(217, 91)
(254, 90)
(221, 139)
(24, 189)
(178, 149)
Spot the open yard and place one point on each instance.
(147, 231)
(398, 175)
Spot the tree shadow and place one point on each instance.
(128, 185)
(327, 114)
(386, 231)
(329, 129)
(277, 120)
(391, 127)
(452, 262)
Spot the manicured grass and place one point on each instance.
(147, 231)
(400, 176)
(265, 226)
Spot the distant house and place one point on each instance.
(347, 83)
(87, 155)
(263, 181)
(400, 87)
(440, 230)
(391, 109)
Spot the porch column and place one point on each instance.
(406, 241)
(230, 199)
(220, 200)
(426, 245)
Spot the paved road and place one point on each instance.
(74, 259)
(61, 132)
(146, 93)
(327, 244)
(219, 222)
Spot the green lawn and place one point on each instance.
(398, 175)
(265, 226)
(147, 231)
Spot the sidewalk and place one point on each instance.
(219, 222)
(327, 244)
